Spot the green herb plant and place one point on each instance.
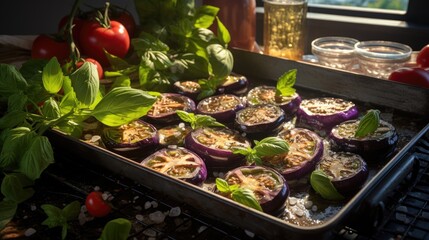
(176, 44)
(116, 229)
(198, 120)
(368, 124)
(40, 97)
(285, 83)
(60, 217)
(240, 195)
(268, 146)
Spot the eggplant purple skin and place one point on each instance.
(263, 129)
(132, 150)
(307, 167)
(221, 116)
(289, 107)
(190, 94)
(276, 205)
(236, 88)
(215, 159)
(370, 149)
(197, 179)
(352, 184)
(322, 124)
(171, 117)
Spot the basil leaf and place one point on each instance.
(285, 83)
(186, 116)
(116, 63)
(12, 119)
(199, 120)
(222, 185)
(32, 67)
(15, 187)
(55, 216)
(224, 36)
(270, 146)
(122, 105)
(190, 66)
(116, 229)
(221, 60)
(323, 185)
(246, 197)
(85, 83)
(38, 156)
(7, 211)
(50, 109)
(205, 16)
(368, 124)
(17, 101)
(242, 151)
(52, 76)
(71, 211)
(15, 141)
(11, 80)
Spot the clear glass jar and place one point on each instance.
(335, 52)
(380, 58)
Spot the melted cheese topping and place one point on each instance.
(259, 114)
(348, 130)
(174, 162)
(219, 103)
(267, 95)
(325, 106)
(167, 104)
(224, 139)
(131, 133)
(340, 165)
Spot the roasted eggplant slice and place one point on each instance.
(233, 84)
(347, 171)
(179, 163)
(190, 89)
(268, 186)
(215, 146)
(221, 107)
(305, 151)
(164, 109)
(261, 120)
(267, 95)
(131, 140)
(375, 146)
(322, 114)
(173, 134)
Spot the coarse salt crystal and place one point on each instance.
(181, 125)
(175, 212)
(249, 233)
(292, 201)
(33, 207)
(314, 208)
(139, 217)
(29, 232)
(154, 204)
(97, 188)
(87, 136)
(157, 217)
(201, 229)
(147, 205)
(149, 232)
(308, 204)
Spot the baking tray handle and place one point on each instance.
(373, 208)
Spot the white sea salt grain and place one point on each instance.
(154, 204)
(33, 207)
(308, 204)
(314, 208)
(292, 201)
(201, 229)
(175, 212)
(139, 217)
(97, 188)
(249, 233)
(157, 217)
(29, 232)
(149, 232)
(147, 205)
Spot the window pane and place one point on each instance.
(377, 4)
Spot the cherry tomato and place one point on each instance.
(414, 76)
(97, 64)
(96, 205)
(77, 26)
(94, 39)
(126, 19)
(46, 47)
(422, 59)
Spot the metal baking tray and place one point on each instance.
(407, 106)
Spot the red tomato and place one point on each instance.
(94, 39)
(414, 76)
(47, 47)
(422, 59)
(126, 19)
(77, 22)
(97, 64)
(96, 205)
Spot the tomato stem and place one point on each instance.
(74, 51)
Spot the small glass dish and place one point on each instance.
(380, 58)
(335, 52)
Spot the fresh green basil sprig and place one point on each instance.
(58, 217)
(268, 146)
(46, 98)
(321, 183)
(116, 229)
(240, 195)
(368, 124)
(285, 83)
(198, 120)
